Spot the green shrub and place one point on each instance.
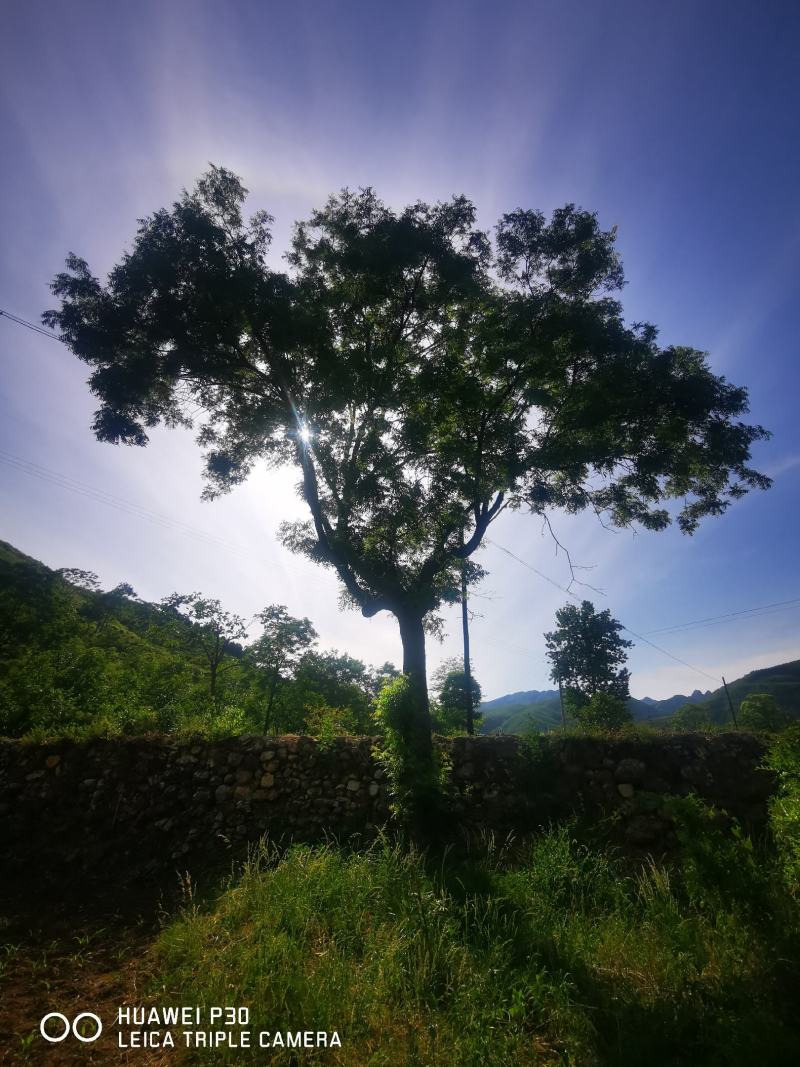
(416, 779)
(326, 723)
(603, 711)
(762, 713)
(718, 861)
(784, 759)
(691, 717)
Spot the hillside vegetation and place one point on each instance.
(78, 659)
(539, 710)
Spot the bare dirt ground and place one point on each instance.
(73, 955)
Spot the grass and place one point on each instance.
(548, 951)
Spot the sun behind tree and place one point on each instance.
(421, 378)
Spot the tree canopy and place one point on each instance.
(762, 712)
(603, 711)
(215, 633)
(691, 717)
(279, 649)
(456, 695)
(587, 653)
(421, 376)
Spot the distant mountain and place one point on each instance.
(519, 716)
(529, 696)
(535, 709)
(648, 708)
(782, 681)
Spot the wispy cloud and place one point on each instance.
(783, 466)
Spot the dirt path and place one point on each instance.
(52, 961)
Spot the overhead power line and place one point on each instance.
(677, 659)
(30, 325)
(780, 605)
(565, 589)
(530, 567)
(128, 507)
(137, 511)
(52, 477)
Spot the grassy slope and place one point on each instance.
(557, 955)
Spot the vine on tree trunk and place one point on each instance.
(416, 772)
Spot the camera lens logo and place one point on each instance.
(77, 1030)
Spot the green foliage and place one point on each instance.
(603, 711)
(761, 713)
(546, 951)
(691, 717)
(278, 651)
(781, 681)
(452, 691)
(419, 376)
(326, 723)
(718, 861)
(587, 653)
(784, 759)
(81, 661)
(416, 778)
(214, 634)
(331, 678)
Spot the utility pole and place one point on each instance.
(465, 631)
(730, 702)
(561, 702)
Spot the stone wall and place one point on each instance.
(142, 804)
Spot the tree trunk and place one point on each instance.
(465, 631)
(412, 635)
(212, 684)
(268, 713)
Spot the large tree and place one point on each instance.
(420, 376)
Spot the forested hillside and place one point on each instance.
(78, 658)
(539, 710)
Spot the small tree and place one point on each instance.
(327, 723)
(453, 690)
(110, 601)
(101, 605)
(212, 632)
(691, 717)
(604, 711)
(415, 781)
(762, 712)
(336, 680)
(587, 653)
(279, 649)
(85, 580)
(377, 678)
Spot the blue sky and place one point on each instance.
(678, 123)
